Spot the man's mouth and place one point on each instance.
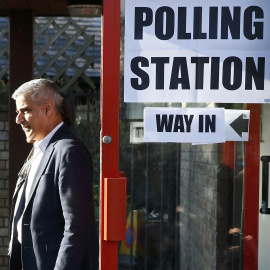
(26, 128)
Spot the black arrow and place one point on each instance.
(240, 125)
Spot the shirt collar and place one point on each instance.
(42, 145)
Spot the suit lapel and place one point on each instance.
(45, 159)
(41, 168)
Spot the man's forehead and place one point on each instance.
(23, 101)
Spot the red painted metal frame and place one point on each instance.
(109, 118)
(251, 198)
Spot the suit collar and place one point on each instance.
(42, 145)
(58, 134)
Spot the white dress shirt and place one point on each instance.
(39, 150)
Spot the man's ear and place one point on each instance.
(48, 108)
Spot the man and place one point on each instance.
(53, 225)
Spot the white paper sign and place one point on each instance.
(197, 51)
(184, 125)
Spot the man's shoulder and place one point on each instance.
(64, 138)
(64, 133)
(68, 141)
(71, 147)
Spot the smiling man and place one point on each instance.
(53, 224)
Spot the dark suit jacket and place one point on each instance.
(58, 225)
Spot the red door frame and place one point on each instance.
(109, 118)
(251, 189)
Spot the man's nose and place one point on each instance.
(19, 118)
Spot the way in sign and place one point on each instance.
(183, 123)
(198, 125)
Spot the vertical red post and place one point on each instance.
(251, 199)
(109, 118)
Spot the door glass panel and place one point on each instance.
(185, 202)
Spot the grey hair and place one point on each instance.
(40, 90)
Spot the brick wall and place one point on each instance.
(4, 211)
(199, 208)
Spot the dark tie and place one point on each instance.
(22, 176)
(16, 251)
(20, 208)
(16, 246)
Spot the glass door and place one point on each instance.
(185, 203)
(189, 206)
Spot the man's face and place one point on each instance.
(31, 117)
